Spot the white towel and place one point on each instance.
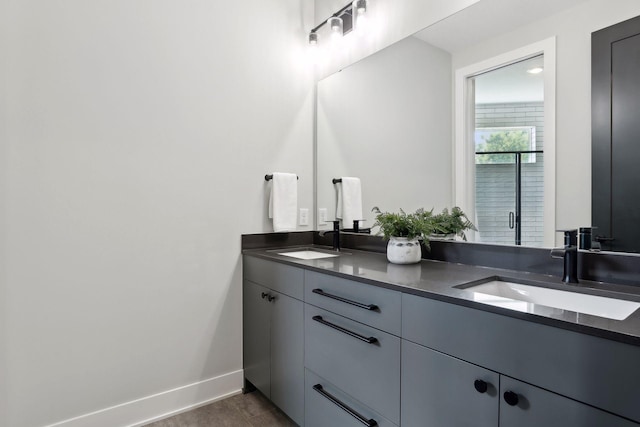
(283, 201)
(349, 206)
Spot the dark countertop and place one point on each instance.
(437, 280)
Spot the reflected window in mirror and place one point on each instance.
(508, 111)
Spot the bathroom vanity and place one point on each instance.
(352, 340)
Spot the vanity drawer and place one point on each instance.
(589, 369)
(327, 405)
(279, 277)
(369, 304)
(362, 361)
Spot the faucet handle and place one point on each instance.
(570, 237)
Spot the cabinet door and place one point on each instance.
(256, 330)
(439, 390)
(523, 405)
(615, 102)
(287, 356)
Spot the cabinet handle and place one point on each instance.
(369, 340)
(370, 307)
(480, 386)
(269, 297)
(348, 410)
(511, 398)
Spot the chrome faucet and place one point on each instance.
(570, 255)
(336, 235)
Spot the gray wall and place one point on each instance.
(133, 155)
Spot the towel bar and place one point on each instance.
(269, 177)
(336, 180)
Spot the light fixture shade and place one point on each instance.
(360, 7)
(313, 38)
(335, 23)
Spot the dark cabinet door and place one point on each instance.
(256, 331)
(523, 405)
(439, 390)
(287, 356)
(615, 110)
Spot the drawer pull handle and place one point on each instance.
(354, 414)
(370, 307)
(368, 340)
(511, 398)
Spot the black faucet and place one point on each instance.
(570, 255)
(336, 235)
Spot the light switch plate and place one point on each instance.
(322, 217)
(304, 216)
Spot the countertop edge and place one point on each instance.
(544, 320)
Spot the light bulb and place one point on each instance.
(313, 39)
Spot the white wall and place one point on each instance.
(136, 141)
(572, 29)
(382, 117)
(389, 22)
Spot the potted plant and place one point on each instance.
(404, 232)
(449, 225)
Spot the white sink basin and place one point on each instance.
(308, 254)
(517, 296)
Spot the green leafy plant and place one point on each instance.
(419, 224)
(455, 222)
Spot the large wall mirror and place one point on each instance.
(394, 119)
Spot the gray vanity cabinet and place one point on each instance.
(327, 405)
(273, 334)
(534, 407)
(351, 351)
(439, 390)
(567, 374)
(257, 337)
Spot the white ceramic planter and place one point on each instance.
(401, 250)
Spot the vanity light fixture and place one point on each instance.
(535, 70)
(336, 25)
(360, 7)
(341, 22)
(313, 38)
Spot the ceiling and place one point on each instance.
(511, 83)
(487, 19)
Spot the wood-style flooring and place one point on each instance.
(250, 410)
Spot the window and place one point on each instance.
(509, 139)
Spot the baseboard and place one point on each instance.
(162, 405)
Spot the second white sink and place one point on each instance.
(308, 254)
(517, 296)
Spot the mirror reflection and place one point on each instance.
(391, 121)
